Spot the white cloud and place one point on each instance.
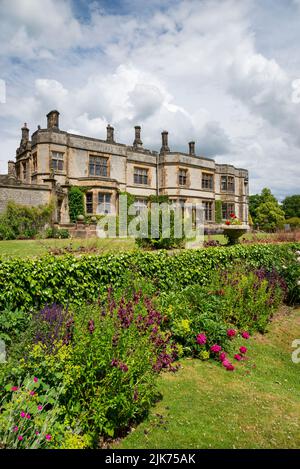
(194, 68)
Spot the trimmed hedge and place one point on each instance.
(31, 283)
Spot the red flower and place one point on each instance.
(238, 357)
(222, 356)
(231, 333)
(232, 215)
(14, 388)
(48, 437)
(201, 339)
(227, 222)
(35, 379)
(216, 348)
(243, 349)
(230, 367)
(245, 335)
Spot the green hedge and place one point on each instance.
(31, 283)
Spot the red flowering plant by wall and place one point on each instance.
(233, 220)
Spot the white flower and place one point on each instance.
(297, 253)
(284, 267)
(298, 259)
(298, 283)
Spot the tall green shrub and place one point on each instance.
(22, 221)
(26, 283)
(76, 203)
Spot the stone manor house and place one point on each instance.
(52, 160)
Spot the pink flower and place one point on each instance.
(238, 357)
(14, 388)
(48, 437)
(201, 339)
(37, 433)
(245, 335)
(216, 348)
(226, 363)
(231, 333)
(15, 429)
(243, 349)
(22, 415)
(32, 393)
(20, 438)
(35, 379)
(230, 367)
(28, 416)
(40, 407)
(222, 356)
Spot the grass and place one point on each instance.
(40, 247)
(256, 406)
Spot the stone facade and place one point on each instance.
(53, 160)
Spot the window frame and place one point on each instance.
(209, 178)
(100, 165)
(140, 176)
(227, 183)
(208, 208)
(105, 203)
(57, 160)
(89, 204)
(230, 208)
(182, 177)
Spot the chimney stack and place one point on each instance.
(192, 148)
(11, 170)
(110, 134)
(53, 120)
(137, 140)
(164, 140)
(25, 133)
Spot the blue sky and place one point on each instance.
(220, 72)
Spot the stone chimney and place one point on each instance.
(192, 148)
(110, 134)
(25, 133)
(11, 172)
(53, 120)
(137, 140)
(164, 142)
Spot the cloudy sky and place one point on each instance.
(223, 73)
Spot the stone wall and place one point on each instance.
(30, 195)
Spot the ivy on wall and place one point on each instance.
(76, 202)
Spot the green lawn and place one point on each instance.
(256, 406)
(39, 247)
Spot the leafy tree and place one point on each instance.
(258, 215)
(269, 216)
(291, 206)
